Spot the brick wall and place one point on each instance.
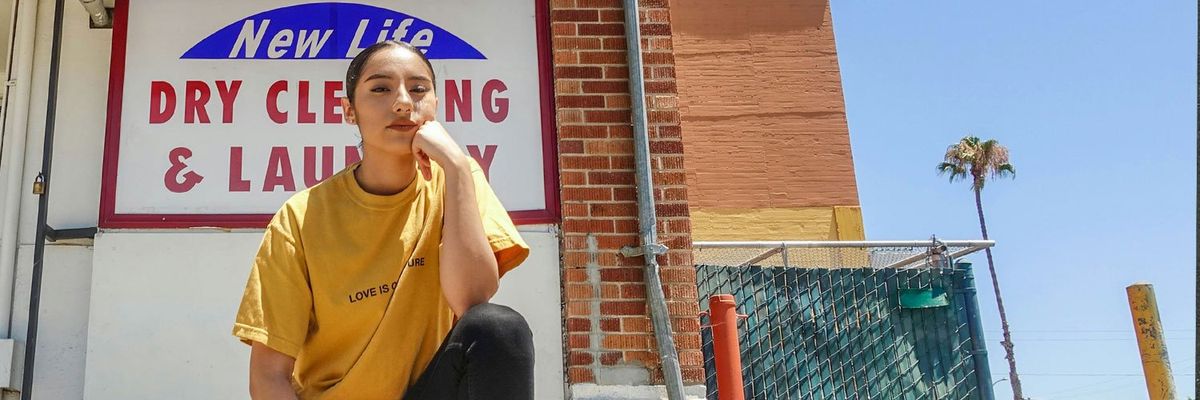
(760, 97)
(609, 339)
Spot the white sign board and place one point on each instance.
(221, 110)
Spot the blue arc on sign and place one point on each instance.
(337, 23)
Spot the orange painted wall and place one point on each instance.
(763, 116)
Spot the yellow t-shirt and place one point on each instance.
(347, 283)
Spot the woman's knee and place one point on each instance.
(490, 322)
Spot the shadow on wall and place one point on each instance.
(738, 19)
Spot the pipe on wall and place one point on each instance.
(647, 220)
(12, 162)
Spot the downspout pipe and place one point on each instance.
(97, 12)
(647, 220)
(39, 246)
(12, 162)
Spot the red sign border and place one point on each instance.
(109, 218)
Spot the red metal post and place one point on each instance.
(723, 318)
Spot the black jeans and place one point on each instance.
(487, 355)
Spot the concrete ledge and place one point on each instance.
(588, 391)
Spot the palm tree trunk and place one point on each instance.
(1007, 343)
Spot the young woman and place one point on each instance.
(374, 284)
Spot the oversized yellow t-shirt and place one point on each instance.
(347, 283)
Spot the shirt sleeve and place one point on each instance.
(277, 304)
(508, 246)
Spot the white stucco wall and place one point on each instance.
(147, 314)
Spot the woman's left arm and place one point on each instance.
(469, 272)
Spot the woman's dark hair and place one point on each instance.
(356, 65)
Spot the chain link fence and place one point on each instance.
(849, 320)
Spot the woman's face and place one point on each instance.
(392, 98)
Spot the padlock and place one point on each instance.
(39, 184)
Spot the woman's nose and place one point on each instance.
(403, 103)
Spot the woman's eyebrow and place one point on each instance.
(377, 76)
(420, 78)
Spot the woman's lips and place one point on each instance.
(402, 126)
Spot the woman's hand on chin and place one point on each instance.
(432, 142)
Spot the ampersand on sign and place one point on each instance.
(171, 179)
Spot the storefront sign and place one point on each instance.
(221, 110)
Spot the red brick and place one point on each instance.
(601, 57)
(578, 341)
(574, 15)
(585, 163)
(586, 194)
(622, 162)
(662, 87)
(657, 16)
(609, 178)
(582, 131)
(580, 375)
(618, 101)
(656, 29)
(567, 116)
(664, 146)
(579, 291)
(625, 194)
(621, 274)
(565, 57)
(656, 58)
(610, 325)
(606, 29)
(570, 178)
(563, 29)
(576, 43)
(610, 116)
(608, 147)
(578, 309)
(578, 72)
(636, 324)
(579, 325)
(627, 342)
(617, 241)
(579, 101)
(609, 86)
(610, 358)
(647, 4)
(616, 72)
(570, 146)
(588, 225)
(600, 4)
(579, 358)
(612, 15)
(633, 291)
(614, 43)
(612, 209)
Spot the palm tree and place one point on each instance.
(979, 161)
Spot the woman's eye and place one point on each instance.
(379, 89)
(420, 89)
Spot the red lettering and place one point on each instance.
(310, 165)
(352, 155)
(162, 102)
(177, 156)
(280, 117)
(332, 102)
(302, 114)
(194, 105)
(485, 159)
(228, 93)
(279, 171)
(236, 183)
(494, 109)
(458, 100)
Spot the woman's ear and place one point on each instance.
(348, 111)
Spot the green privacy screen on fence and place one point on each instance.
(844, 333)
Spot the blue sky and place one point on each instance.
(1096, 101)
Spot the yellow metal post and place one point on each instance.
(1153, 347)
